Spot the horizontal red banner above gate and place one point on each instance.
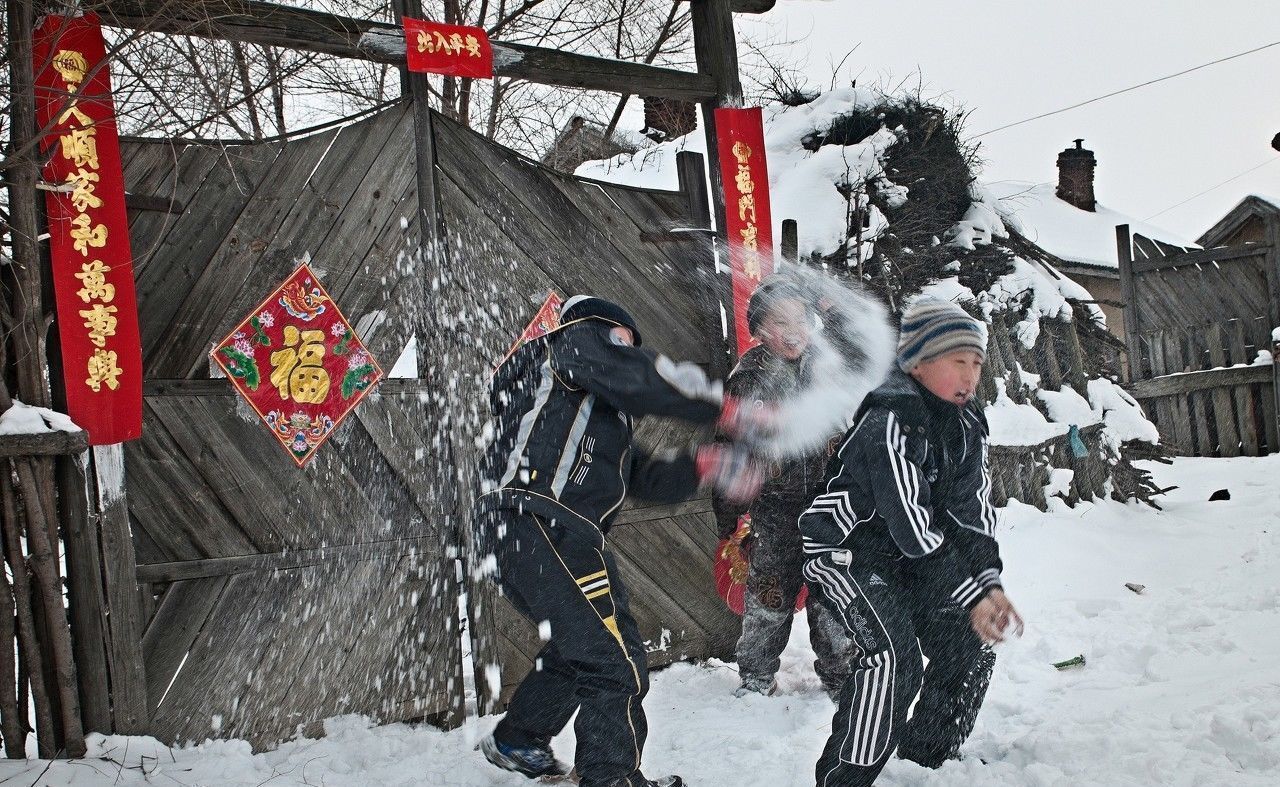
(451, 50)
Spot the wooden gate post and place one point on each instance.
(716, 53)
(433, 340)
(85, 592)
(1124, 250)
(790, 241)
(1273, 310)
(704, 279)
(120, 576)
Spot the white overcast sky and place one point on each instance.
(1011, 59)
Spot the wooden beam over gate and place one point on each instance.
(270, 24)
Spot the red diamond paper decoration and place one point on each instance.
(544, 322)
(299, 364)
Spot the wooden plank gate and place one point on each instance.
(1198, 323)
(271, 598)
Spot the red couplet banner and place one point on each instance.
(452, 50)
(748, 225)
(88, 230)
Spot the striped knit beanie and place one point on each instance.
(931, 328)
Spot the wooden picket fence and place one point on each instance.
(1199, 324)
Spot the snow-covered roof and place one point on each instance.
(1065, 231)
(1253, 206)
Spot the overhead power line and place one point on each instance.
(1129, 89)
(1271, 160)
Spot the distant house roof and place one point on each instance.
(1254, 205)
(583, 139)
(1085, 239)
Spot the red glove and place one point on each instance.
(731, 471)
(749, 421)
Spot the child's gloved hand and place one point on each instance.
(748, 422)
(730, 470)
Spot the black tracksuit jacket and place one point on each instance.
(564, 407)
(762, 378)
(910, 483)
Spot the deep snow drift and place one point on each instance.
(1181, 684)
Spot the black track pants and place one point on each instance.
(773, 582)
(595, 660)
(891, 628)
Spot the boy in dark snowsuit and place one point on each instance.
(559, 469)
(779, 315)
(902, 545)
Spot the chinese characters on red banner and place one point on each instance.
(88, 230)
(748, 224)
(299, 364)
(452, 50)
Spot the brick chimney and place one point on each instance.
(1075, 176)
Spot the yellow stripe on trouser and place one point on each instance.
(610, 622)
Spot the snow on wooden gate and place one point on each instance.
(1196, 322)
(273, 597)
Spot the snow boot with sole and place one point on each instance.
(532, 761)
(766, 686)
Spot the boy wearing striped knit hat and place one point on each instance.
(902, 545)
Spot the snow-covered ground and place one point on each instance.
(1181, 684)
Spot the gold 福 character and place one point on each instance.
(297, 370)
(72, 65)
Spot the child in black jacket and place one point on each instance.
(780, 316)
(560, 466)
(902, 545)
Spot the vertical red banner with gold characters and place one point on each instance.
(452, 50)
(88, 230)
(748, 226)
